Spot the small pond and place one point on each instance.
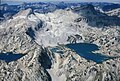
(9, 56)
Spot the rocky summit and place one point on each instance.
(77, 43)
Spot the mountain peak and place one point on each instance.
(24, 13)
(87, 6)
(86, 9)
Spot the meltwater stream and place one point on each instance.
(9, 56)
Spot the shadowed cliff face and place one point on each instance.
(45, 59)
(31, 31)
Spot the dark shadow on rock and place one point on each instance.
(39, 25)
(45, 59)
(31, 33)
(101, 21)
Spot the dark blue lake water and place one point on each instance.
(9, 56)
(85, 50)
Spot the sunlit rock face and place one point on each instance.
(33, 35)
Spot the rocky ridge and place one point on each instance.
(115, 12)
(14, 39)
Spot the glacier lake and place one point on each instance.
(9, 56)
(85, 50)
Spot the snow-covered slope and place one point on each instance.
(70, 26)
(56, 27)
